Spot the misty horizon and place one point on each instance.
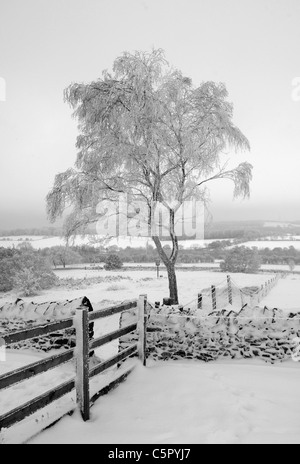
(36, 220)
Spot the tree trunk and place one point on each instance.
(170, 261)
(173, 289)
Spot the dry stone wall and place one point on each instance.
(21, 315)
(267, 334)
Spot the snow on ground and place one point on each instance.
(279, 224)
(192, 402)
(215, 265)
(271, 244)
(23, 392)
(285, 295)
(39, 242)
(190, 283)
(181, 402)
(278, 267)
(19, 394)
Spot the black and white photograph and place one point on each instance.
(149, 224)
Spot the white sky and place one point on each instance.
(251, 45)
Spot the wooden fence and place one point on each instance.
(227, 293)
(84, 345)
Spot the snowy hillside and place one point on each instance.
(191, 402)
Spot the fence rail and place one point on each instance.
(112, 336)
(132, 350)
(111, 310)
(111, 386)
(29, 408)
(81, 382)
(25, 373)
(36, 332)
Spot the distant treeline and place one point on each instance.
(31, 271)
(44, 231)
(248, 231)
(214, 252)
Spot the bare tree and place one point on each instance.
(146, 131)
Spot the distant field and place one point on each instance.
(190, 283)
(38, 242)
(216, 266)
(274, 244)
(128, 284)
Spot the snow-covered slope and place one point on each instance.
(190, 402)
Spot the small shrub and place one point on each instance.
(6, 275)
(113, 262)
(63, 256)
(27, 283)
(25, 270)
(30, 282)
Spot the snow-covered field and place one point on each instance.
(215, 265)
(279, 267)
(271, 244)
(138, 282)
(192, 402)
(10, 398)
(285, 295)
(39, 242)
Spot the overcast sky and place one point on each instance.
(253, 46)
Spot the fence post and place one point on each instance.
(242, 298)
(214, 297)
(200, 300)
(229, 289)
(82, 362)
(142, 328)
